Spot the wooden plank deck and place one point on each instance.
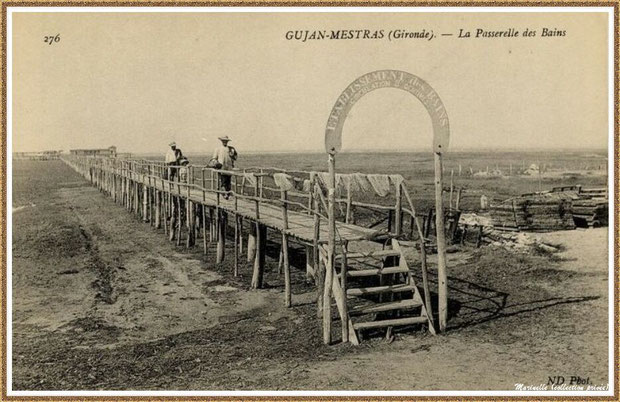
(300, 225)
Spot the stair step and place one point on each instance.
(390, 323)
(398, 305)
(379, 289)
(377, 271)
(371, 254)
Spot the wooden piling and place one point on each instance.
(240, 234)
(236, 260)
(251, 243)
(144, 203)
(343, 285)
(259, 259)
(179, 221)
(349, 203)
(442, 278)
(221, 237)
(331, 248)
(189, 214)
(319, 274)
(285, 260)
(157, 209)
(398, 208)
(309, 263)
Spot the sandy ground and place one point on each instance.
(104, 301)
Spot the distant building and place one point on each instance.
(110, 151)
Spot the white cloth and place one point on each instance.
(222, 155)
(250, 178)
(171, 156)
(380, 183)
(362, 183)
(324, 177)
(396, 179)
(283, 181)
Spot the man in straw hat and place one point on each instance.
(173, 156)
(225, 157)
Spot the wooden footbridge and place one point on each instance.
(194, 207)
(301, 206)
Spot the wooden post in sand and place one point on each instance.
(319, 273)
(285, 260)
(442, 277)
(189, 223)
(331, 248)
(252, 235)
(212, 233)
(204, 229)
(240, 234)
(236, 261)
(398, 211)
(179, 220)
(191, 220)
(221, 236)
(145, 200)
(157, 209)
(259, 259)
(251, 243)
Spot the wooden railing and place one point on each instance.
(144, 188)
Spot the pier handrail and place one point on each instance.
(199, 180)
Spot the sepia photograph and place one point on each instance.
(309, 201)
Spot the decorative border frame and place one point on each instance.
(5, 4)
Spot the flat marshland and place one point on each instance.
(103, 301)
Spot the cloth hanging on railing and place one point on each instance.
(324, 179)
(380, 183)
(361, 182)
(250, 178)
(348, 182)
(283, 181)
(396, 179)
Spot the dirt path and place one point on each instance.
(104, 301)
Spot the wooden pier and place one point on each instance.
(292, 204)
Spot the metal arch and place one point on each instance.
(388, 79)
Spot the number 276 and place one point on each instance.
(51, 39)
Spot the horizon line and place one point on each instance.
(380, 150)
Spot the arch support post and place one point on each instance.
(442, 276)
(331, 247)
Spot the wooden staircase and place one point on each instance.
(376, 289)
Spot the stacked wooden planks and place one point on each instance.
(561, 208)
(509, 215)
(591, 212)
(534, 212)
(591, 209)
(549, 212)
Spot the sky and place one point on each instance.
(141, 80)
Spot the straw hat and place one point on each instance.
(172, 144)
(224, 138)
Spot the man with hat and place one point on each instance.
(173, 156)
(226, 156)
